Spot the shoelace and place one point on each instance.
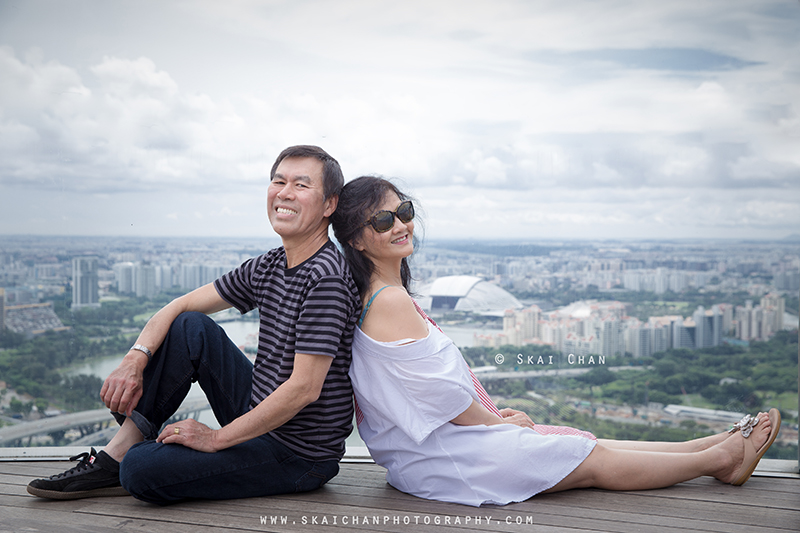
(85, 458)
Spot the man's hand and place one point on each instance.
(518, 418)
(190, 433)
(122, 388)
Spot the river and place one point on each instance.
(238, 331)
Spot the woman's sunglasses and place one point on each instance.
(383, 221)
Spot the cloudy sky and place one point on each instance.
(525, 119)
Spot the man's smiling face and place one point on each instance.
(295, 201)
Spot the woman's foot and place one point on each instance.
(739, 455)
(712, 440)
(704, 443)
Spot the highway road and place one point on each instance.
(9, 434)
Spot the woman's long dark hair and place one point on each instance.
(357, 202)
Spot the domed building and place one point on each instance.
(467, 294)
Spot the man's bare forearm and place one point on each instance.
(204, 300)
(123, 387)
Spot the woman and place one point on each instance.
(421, 412)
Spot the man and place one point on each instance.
(283, 420)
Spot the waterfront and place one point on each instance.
(238, 331)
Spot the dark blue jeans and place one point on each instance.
(197, 349)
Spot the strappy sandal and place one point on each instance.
(745, 425)
(751, 455)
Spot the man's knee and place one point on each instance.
(194, 332)
(142, 474)
(192, 321)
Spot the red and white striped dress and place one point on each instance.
(405, 395)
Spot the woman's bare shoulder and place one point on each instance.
(393, 316)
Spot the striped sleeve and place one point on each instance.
(236, 287)
(327, 309)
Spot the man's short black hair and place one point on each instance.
(332, 177)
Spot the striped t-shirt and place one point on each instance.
(311, 309)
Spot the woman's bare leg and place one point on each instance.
(621, 469)
(689, 446)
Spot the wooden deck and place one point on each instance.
(360, 499)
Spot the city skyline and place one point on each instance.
(634, 300)
(531, 120)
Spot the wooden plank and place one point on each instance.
(766, 494)
(21, 519)
(360, 490)
(17, 519)
(593, 498)
(628, 517)
(767, 484)
(295, 516)
(588, 502)
(35, 470)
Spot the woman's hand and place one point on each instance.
(189, 433)
(518, 418)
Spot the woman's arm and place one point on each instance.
(478, 414)
(393, 317)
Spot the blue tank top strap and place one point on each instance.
(366, 307)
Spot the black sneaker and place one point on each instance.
(97, 474)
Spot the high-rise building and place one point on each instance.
(787, 281)
(708, 327)
(660, 338)
(677, 281)
(607, 331)
(191, 276)
(661, 280)
(762, 321)
(726, 312)
(683, 334)
(743, 321)
(164, 277)
(777, 304)
(509, 320)
(632, 281)
(757, 323)
(209, 273)
(715, 317)
(145, 281)
(125, 277)
(85, 282)
(2, 310)
(702, 337)
(641, 342)
(530, 322)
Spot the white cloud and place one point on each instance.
(599, 107)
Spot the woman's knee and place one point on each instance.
(585, 474)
